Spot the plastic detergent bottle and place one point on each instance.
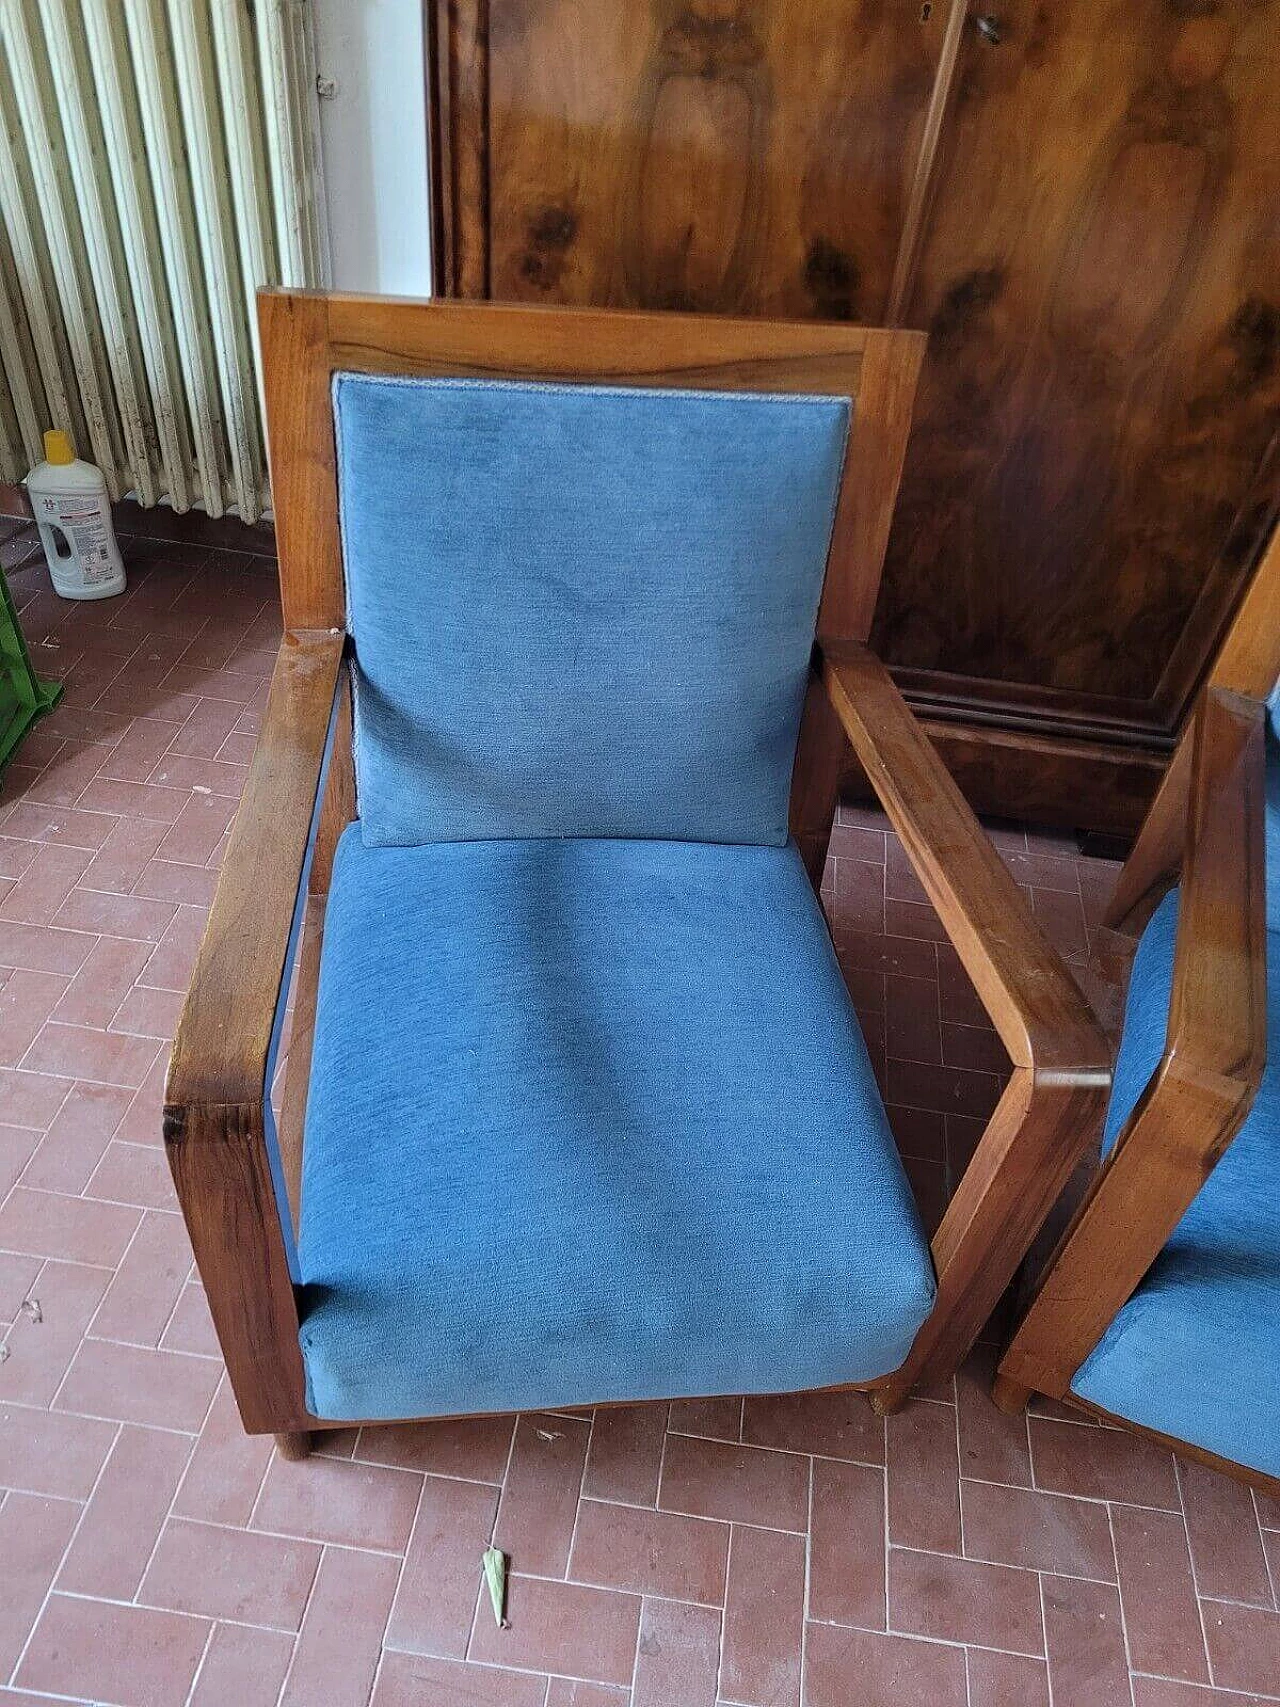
(73, 514)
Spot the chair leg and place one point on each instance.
(1009, 1396)
(294, 1447)
(888, 1399)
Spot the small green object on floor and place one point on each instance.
(23, 696)
(495, 1574)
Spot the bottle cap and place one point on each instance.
(58, 448)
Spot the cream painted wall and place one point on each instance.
(373, 132)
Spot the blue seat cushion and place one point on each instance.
(1195, 1352)
(591, 1120)
(580, 611)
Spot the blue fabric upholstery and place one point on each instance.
(1195, 1353)
(592, 1119)
(580, 611)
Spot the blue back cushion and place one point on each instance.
(580, 611)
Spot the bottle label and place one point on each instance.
(82, 521)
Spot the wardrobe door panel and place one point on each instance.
(1078, 199)
(1092, 470)
(699, 154)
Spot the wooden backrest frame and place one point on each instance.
(309, 336)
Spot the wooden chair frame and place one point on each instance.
(270, 895)
(1207, 824)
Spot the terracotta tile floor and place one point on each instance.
(760, 1553)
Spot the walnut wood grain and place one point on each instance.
(1054, 1102)
(294, 336)
(924, 179)
(339, 806)
(309, 336)
(297, 1067)
(458, 118)
(375, 334)
(218, 1157)
(1042, 1128)
(1248, 663)
(1043, 1020)
(698, 154)
(1208, 1074)
(869, 491)
(815, 781)
(1098, 280)
(224, 1034)
(215, 1097)
(1081, 215)
(1046, 779)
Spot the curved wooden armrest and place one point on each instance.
(218, 1127)
(224, 1036)
(1208, 1075)
(1043, 1020)
(1056, 1097)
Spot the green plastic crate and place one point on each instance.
(23, 696)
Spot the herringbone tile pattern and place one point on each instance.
(767, 1552)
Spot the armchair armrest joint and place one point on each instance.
(1055, 1100)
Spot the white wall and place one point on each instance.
(373, 133)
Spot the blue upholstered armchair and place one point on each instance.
(1161, 1307)
(577, 1107)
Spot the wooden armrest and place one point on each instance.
(1208, 1075)
(224, 1037)
(1043, 1020)
(1055, 1099)
(217, 1118)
